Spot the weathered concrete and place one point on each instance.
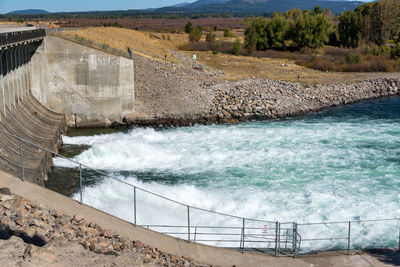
(91, 87)
(175, 246)
(23, 116)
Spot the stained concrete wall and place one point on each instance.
(91, 87)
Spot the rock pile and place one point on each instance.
(258, 99)
(37, 225)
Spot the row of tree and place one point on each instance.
(376, 22)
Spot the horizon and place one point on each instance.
(7, 6)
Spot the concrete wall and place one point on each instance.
(91, 87)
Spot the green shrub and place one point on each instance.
(395, 52)
(237, 47)
(188, 27)
(195, 34)
(354, 58)
(210, 37)
(228, 33)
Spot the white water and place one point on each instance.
(338, 166)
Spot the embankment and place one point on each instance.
(171, 94)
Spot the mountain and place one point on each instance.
(181, 4)
(265, 6)
(29, 12)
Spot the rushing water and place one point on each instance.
(340, 164)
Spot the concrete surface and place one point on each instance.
(198, 252)
(91, 87)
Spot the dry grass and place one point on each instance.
(155, 45)
(240, 67)
(235, 67)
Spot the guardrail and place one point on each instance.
(276, 238)
(16, 37)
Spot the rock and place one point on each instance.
(47, 256)
(78, 218)
(6, 206)
(5, 191)
(138, 244)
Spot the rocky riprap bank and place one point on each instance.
(172, 94)
(259, 99)
(37, 225)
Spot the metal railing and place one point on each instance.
(21, 36)
(276, 238)
(61, 33)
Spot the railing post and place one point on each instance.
(188, 222)
(348, 239)
(22, 161)
(276, 238)
(80, 181)
(243, 230)
(399, 239)
(134, 205)
(295, 238)
(195, 233)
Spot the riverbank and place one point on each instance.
(174, 95)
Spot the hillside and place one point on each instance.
(263, 6)
(28, 12)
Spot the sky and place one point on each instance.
(83, 5)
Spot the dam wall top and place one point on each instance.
(8, 37)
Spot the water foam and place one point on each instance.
(341, 165)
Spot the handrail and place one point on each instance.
(20, 36)
(245, 233)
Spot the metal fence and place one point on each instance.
(200, 225)
(16, 37)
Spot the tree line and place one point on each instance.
(371, 23)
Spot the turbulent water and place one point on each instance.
(337, 165)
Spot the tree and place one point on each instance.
(195, 34)
(276, 31)
(310, 30)
(237, 47)
(188, 27)
(388, 11)
(250, 39)
(350, 28)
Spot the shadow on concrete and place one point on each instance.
(388, 256)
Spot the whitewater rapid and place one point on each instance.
(338, 165)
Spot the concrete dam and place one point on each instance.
(48, 84)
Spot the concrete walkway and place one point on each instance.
(198, 252)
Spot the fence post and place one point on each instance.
(399, 239)
(188, 222)
(243, 228)
(348, 241)
(22, 160)
(276, 238)
(80, 182)
(134, 205)
(195, 233)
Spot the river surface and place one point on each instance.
(337, 165)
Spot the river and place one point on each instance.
(337, 165)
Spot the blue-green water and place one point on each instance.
(340, 164)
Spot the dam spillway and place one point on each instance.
(21, 114)
(47, 84)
